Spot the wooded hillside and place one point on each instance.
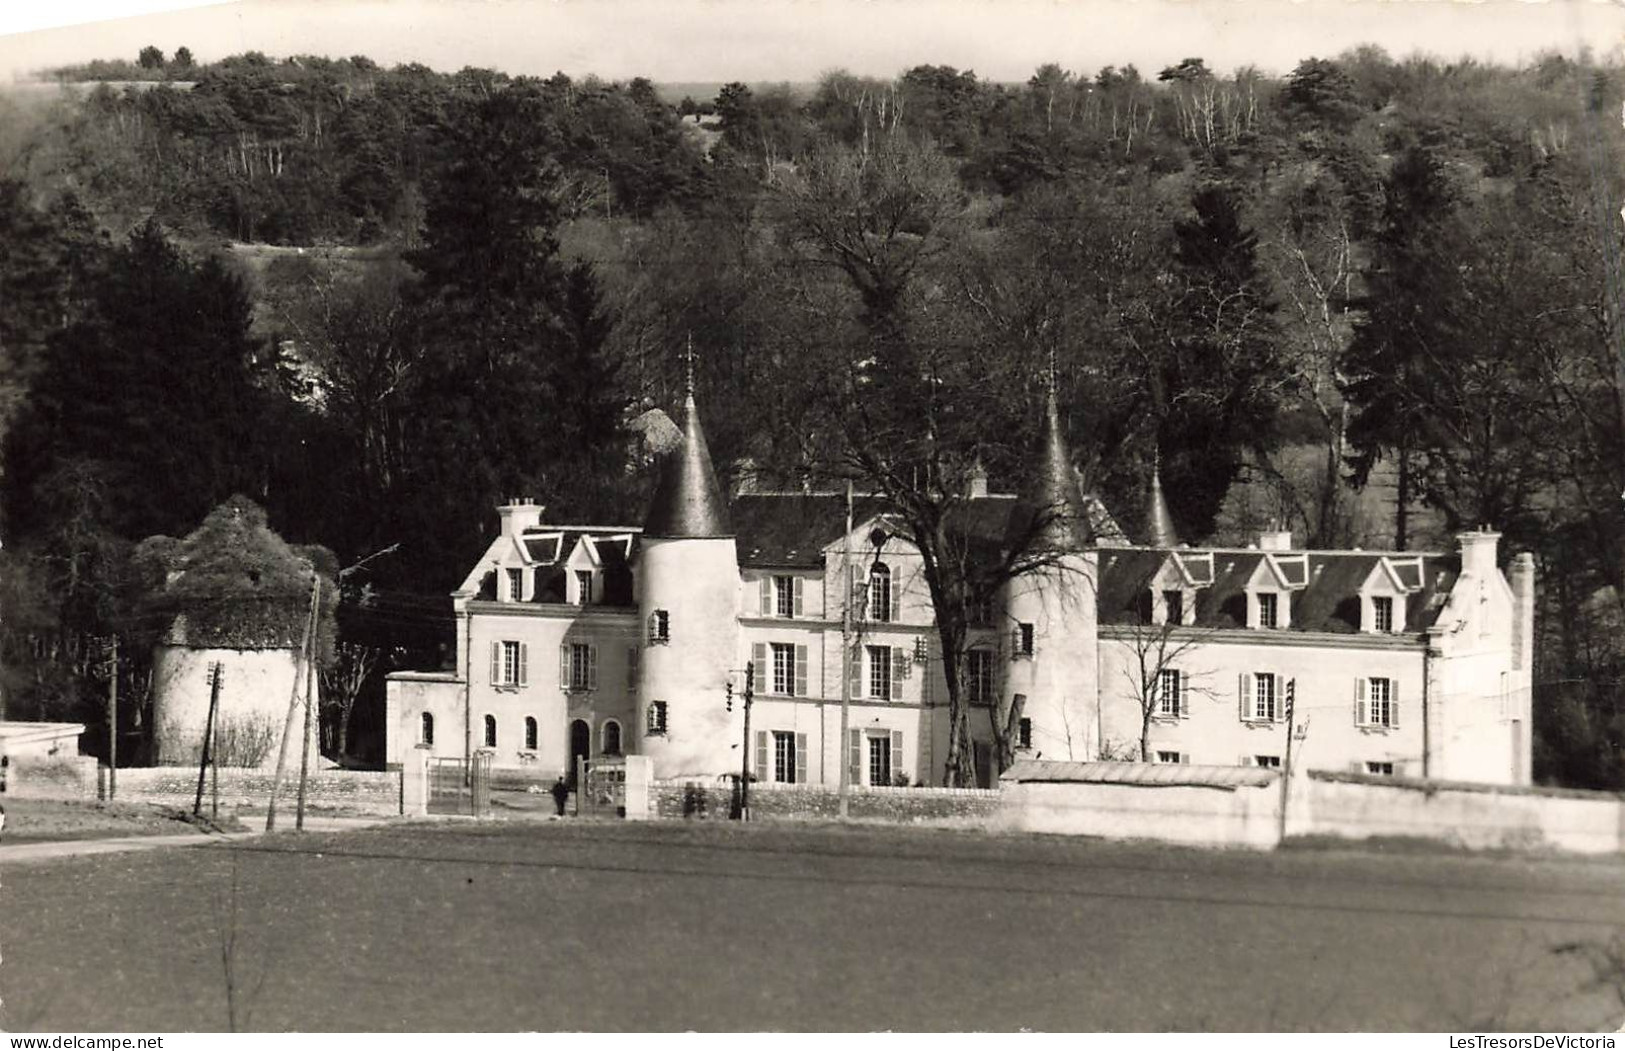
(1374, 301)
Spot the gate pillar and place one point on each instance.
(640, 772)
(415, 782)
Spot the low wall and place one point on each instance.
(1475, 816)
(1195, 814)
(709, 800)
(51, 777)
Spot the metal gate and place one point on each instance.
(456, 787)
(603, 791)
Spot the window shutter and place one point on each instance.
(854, 760)
(801, 672)
(564, 666)
(592, 667)
(1393, 705)
(796, 588)
(496, 663)
(1184, 694)
(854, 671)
(524, 662)
(654, 621)
(1280, 697)
(1359, 700)
(632, 667)
(896, 753)
(1015, 642)
(1247, 699)
(765, 592)
(898, 663)
(1246, 760)
(761, 755)
(758, 660)
(801, 759)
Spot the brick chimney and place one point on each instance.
(976, 482)
(1523, 611)
(1275, 540)
(1478, 551)
(519, 514)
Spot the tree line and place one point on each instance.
(1373, 301)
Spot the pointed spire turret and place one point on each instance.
(1159, 524)
(1056, 491)
(688, 502)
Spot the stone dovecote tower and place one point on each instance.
(1051, 647)
(688, 587)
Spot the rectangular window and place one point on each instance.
(880, 605)
(1380, 703)
(879, 672)
(659, 627)
(1021, 640)
(657, 717)
(981, 612)
(580, 666)
(979, 675)
(784, 757)
(1382, 613)
(516, 585)
(784, 596)
(583, 587)
(880, 760)
(1264, 697)
(1025, 734)
(1170, 701)
(1267, 608)
(784, 669)
(1173, 605)
(1380, 769)
(1272, 762)
(510, 664)
(1170, 757)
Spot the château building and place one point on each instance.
(618, 639)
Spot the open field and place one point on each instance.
(47, 820)
(600, 926)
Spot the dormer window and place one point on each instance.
(1382, 614)
(1268, 609)
(583, 587)
(516, 585)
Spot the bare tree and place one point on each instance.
(342, 682)
(1156, 649)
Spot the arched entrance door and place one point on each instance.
(580, 746)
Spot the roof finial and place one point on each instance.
(688, 358)
(1051, 377)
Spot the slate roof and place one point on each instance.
(792, 529)
(1330, 602)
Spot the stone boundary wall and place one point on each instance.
(1198, 815)
(682, 799)
(1473, 816)
(51, 777)
(79, 778)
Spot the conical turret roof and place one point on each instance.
(688, 502)
(1159, 523)
(1056, 489)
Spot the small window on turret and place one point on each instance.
(659, 627)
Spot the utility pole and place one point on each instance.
(744, 771)
(112, 720)
(846, 657)
(304, 751)
(1286, 761)
(293, 701)
(216, 673)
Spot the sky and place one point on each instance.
(796, 40)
